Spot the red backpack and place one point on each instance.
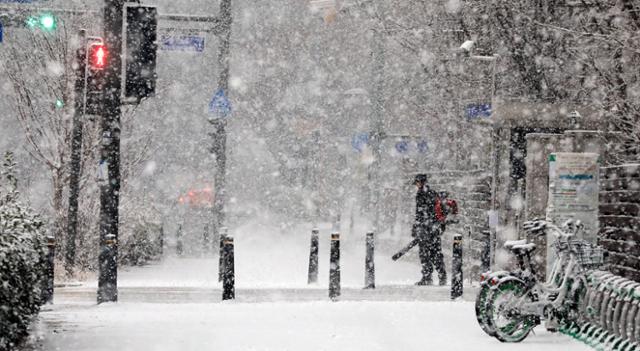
(449, 206)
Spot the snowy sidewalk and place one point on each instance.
(175, 305)
(393, 326)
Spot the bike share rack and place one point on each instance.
(609, 314)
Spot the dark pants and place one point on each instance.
(430, 252)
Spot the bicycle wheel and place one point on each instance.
(507, 322)
(631, 320)
(622, 317)
(481, 310)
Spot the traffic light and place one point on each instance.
(97, 56)
(141, 34)
(96, 60)
(45, 21)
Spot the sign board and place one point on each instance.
(1, 32)
(476, 111)
(573, 194)
(179, 42)
(220, 106)
(410, 145)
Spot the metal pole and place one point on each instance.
(378, 119)
(76, 152)
(110, 153)
(219, 134)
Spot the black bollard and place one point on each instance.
(313, 257)
(370, 269)
(161, 239)
(456, 267)
(179, 245)
(221, 261)
(485, 260)
(334, 267)
(229, 277)
(47, 291)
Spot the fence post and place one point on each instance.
(334, 267)
(313, 257)
(47, 294)
(456, 267)
(370, 269)
(221, 260)
(229, 278)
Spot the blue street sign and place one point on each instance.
(359, 141)
(193, 43)
(1, 32)
(220, 105)
(474, 111)
(422, 146)
(402, 146)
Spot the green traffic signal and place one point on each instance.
(59, 103)
(45, 21)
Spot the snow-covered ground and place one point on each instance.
(175, 305)
(297, 326)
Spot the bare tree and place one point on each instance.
(40, 67)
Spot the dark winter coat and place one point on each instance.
(426, 207)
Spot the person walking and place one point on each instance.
(427, 228)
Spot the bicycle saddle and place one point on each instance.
(511, 243)
(523, 249)
(534, 225)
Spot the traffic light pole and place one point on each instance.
(219, 134)
(110, 153)
(378, 119)
(76, 153)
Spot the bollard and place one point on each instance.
(485, 259)
(161, 239)
(313, 257)
(47, 291)
(205, 240)
(456, 267)
(334, 267)
(221, 261)
(179, 245)
(108, 277)
(369, 264)
(228, 278)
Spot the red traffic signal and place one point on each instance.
(97, 56)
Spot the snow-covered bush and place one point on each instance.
(142, 246)
(22, 261)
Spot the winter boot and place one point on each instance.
(424, 281)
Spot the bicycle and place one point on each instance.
(489, 279)
(518, 302)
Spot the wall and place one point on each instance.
(620, 218)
